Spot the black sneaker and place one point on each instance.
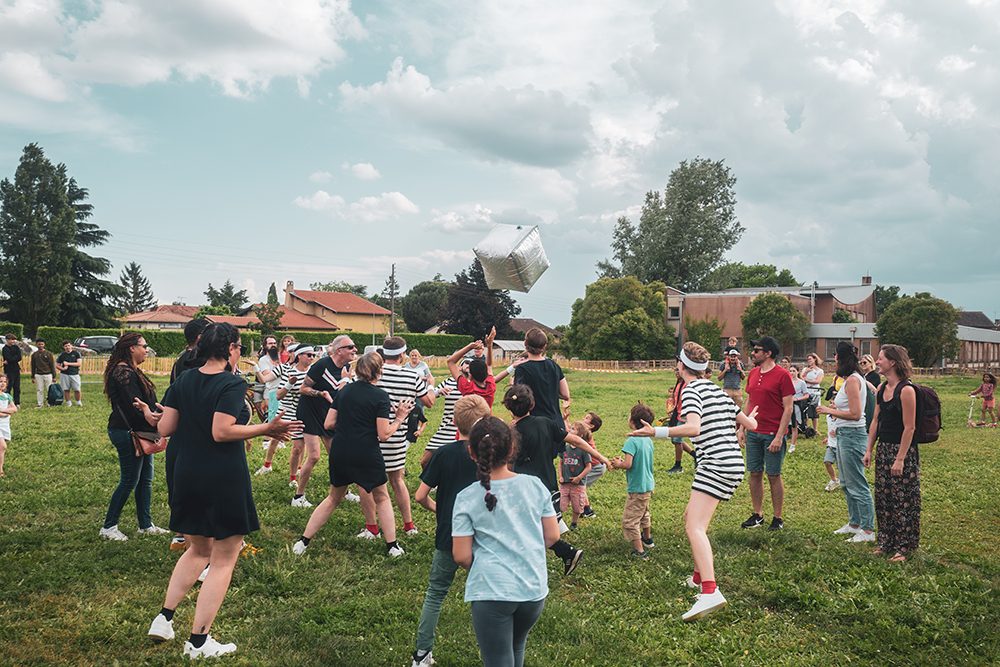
(640, 555)
(588, 513)
(755, 521)
(776, 524)
(648, 542)
(572, 561)
(676, 469)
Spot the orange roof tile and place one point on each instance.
(341, 302)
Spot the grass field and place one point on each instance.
(798, 597)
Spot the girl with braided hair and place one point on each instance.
(500, 536)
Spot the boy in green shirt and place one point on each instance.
(638, 466)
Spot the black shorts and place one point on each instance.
(368, 474)
(312, 413)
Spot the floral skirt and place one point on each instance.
(897, 499)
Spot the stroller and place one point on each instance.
(799, 421)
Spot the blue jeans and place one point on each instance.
(851, 445)
(136, 474)
(759, 458)
(443, 568)
(502, 630)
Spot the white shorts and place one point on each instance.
(5, 430)
(69, 382)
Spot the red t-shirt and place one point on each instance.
(767, 391)
(487, 391)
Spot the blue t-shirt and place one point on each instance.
(508, 544)
(640, 475)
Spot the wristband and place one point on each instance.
(661, 431)
(510, 370)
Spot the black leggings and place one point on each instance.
(502, 630)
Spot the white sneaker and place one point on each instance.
(862, 536)
(301, 502)
(204, 573)
(832, 485)
(396, 552)
(281, 444)
(689, 582)
(846, 529)
(299, 548)
(113, 534)
(412, 531)
(791, 448)
(161, 630)
(265, 443)
(426, 661)
(366, 534)
(705, 605)
(293, 485)
(153, 530)
(353, 497)
(263, 470)
(210, 649)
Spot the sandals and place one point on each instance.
(898, 558)
(877, 551)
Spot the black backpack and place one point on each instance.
(928, 426)
(55, 395)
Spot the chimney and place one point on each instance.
(289, 288)
(865, 280)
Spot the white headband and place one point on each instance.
(394, 352)
(693, 365)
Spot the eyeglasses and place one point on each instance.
(758, 349)
(308, 354)
(347, 347)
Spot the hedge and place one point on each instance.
(54, 336)
(428, 344)
(165, 343)
(12, 327)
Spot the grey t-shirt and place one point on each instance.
(574, 460)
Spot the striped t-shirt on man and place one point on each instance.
(400, 383)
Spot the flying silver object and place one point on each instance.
(512, 257)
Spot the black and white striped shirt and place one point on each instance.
(291, 379)
(400, 383)
(447, 430)
(720, 461)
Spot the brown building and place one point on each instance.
(342, 310)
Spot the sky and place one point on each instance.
(317, 140)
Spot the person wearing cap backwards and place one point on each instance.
(770, 392)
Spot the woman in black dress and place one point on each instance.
(360, 413)
(208, 482)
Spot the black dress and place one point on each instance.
(208, 482)
(355, 455)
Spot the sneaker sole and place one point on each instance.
(756, 525)
(574, 563)
(705, 612)
(158, 639)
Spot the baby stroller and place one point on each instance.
(799, 421)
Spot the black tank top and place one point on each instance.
(890, 415)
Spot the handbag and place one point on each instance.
(145, 442)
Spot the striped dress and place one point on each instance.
(400, 383)
(720, 461)
(447, 431)
(291, 379)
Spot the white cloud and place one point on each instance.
(364, 171)
(320, 177)
(25, 73)
(474, 218)
(954, 64)
(386, 206)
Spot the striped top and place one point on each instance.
(291, 379)
(447, 431)
(717, 445)
(400, 383)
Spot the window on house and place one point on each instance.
(866, 347)
(674, 312)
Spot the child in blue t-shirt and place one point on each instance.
(7, 408)
(638, 465)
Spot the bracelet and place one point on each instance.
(661, 431)
(510, 370)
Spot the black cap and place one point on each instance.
(768, 344)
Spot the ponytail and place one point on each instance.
(492, 445)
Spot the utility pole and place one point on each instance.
(392, 301)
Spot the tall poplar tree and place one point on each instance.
(137, 293)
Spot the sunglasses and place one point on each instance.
(347, 347)
(308, 354)
(758, 349)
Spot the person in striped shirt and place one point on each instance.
(447, 431)
(709, 418)
(401, 384)
(287, 379)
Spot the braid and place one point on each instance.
(484, 466)
(491, 441)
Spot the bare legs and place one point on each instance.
(777, 487)
(312, 444)
(698, 515)
(402, 494)
(380, 502)
(223, 555)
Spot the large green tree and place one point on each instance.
(738, 274)
(340, 286)
(272, 295)
(472, 307)
(706, 332)
(885, 296)
(773, 314)
(925, 325)
(137, 293)
(226, 296)
(38, 230)
(89, 303)
(683, 233)
(623, 319)
(423, 305)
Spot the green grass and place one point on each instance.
(799, 597)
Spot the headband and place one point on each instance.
(303, 349)
(693, 365)
(394, 352)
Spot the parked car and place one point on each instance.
(95, 344)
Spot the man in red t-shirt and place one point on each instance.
(770, 391)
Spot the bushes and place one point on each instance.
(56, 335)
(12, 327)
(165, 343)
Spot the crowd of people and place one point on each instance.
(498, 487)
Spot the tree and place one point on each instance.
(738, 274)
(773, 314)
(385, 297)
(272, 295)
(38, 229)
(841, 316)
(137, 293)
(472, 307)
(340, 286)
(269, 315)
(621, 318)
(212, 310)
(885, 297)
(226, 296)
(89, 303)
(423, 305)
(681, 235)
(706, 332)
(926, 326)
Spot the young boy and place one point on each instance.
(592, 421)
(638, 466)
(450, 470)
(480, 379)
(7, 408)
(831, 454)
(574, 466)
(541, 440)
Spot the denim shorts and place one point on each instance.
(759, 459)
(831, 455)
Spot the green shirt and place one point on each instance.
(640, 475)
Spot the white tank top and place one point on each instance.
(840, 403)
